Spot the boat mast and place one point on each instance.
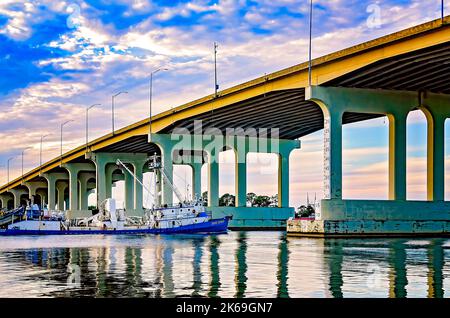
(157, 166)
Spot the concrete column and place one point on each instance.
(51, 190)
(397, 156)
(109, 179)
(61, 187)
(73, 189)
(101, 181)
(436, 158)
(74, 170)
(241, 178)
(167, 192)
(31, 194)
(213, 180)
(138, 167)
(83, 179)
(16, 198)
(32, 187)
(129, 191)
(43, 195)
(17, 193)
(196, 179)
(332, 157)
(283, 180)
(4, 200)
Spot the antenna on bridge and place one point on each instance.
(216, 86)
(310, 42)
(442, 11)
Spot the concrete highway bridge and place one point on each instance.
(389, 76)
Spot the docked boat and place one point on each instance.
(185, 217)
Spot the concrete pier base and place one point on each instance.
(375, 218)
(255, 218)
(361, 228)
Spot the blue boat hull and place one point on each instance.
(213, 226)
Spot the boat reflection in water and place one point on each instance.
(239, 264)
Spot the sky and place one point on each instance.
(57, 57)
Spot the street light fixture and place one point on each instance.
(9, 160)
(151, 95)
(40, 154)
(62, 125)
(112, 108)
(87, 124)
(22, 155)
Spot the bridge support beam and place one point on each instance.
(74, 169)
(396, 216)
(241, 178)
(61, 187)
(5, 198)
(196, 179)
(334, 102)
(52, 178)
(283, 180)
(83, 179)
(42, 193)
(17, 193)
(242, 145)
(436, 109)
(138, 166)
(32, 189)
(129, 192)
(397, 156)
(105, 166)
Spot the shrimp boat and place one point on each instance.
(185, 217)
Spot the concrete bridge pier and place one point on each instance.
(61, 187)
(17, 193)
(129, 192)
(397, 215)
(5, 199)
(42, 193)
(83, 179)
(74, 170)
(196, 179)
(32, 189)
(106, 166)
(52, 191)
(212, 145)
(213, 178)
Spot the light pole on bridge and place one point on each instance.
(22, 155)
(442, 11)
(87, 124)
(40, 153)
(62, 125)
(112, 108)
(150, 97)
(7, 169)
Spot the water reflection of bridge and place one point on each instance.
(220, 267)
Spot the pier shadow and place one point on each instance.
(241, 265)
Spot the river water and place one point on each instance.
(237, 264)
